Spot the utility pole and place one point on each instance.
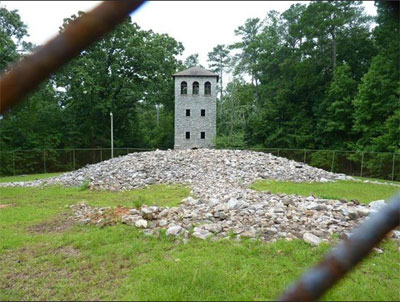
(158, 114)
(112, 135)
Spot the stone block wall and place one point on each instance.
(195, 123)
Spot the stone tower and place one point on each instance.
(195, 108)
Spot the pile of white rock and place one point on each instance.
(267, 217)
(222, 205)
(206, 170)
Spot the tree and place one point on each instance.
(377, 101)
(219, 60)
(36, 122)
(328, 23)
(236, 106)
(12, 32)
(192, 60)
(335, 126)
(129, 68)
(291, 59)
(246, 60)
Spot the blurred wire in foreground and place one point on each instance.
(27, 74)
(346, 255)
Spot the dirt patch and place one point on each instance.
(36, 273)
(120, 211)
(21, 273)
(2, 206)
(59, 224)
(109, 217)
(68, 251)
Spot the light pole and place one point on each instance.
(112, 136)
(158, 114)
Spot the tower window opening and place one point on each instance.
(195, 88)
(207, 88)
(184, 88)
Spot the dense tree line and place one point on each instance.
(315, 76)
(129, 72)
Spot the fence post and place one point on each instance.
(73, 159)
(394, 156)
(333, 160)
(44, 161)
(278, 152)
(362, 163)
(14, 162)
(101, 154)
(305, 154)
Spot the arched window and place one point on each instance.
(196, 88)
(207, 88)
(184, 88)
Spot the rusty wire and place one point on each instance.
(346, 255)
(33, 69)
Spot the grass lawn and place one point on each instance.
(43, 257)
(363, 192)
(28, 177)
(378, 180)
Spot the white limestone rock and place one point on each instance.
(141, 223)
(376, 205)
(312, 239)
(201, 233)
(175, 230)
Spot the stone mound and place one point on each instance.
(203, 169)
(221, 205)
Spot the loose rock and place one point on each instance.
(221, 203)
(174, 230)
(141, 223)
(202, 234)
(311, 239)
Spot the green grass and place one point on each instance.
(378, 180)
(363, 192)
(28, 177)
(43, 258)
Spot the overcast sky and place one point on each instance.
(199, 25)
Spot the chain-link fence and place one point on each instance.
(355, 163)
(383, 165)
(55, 160)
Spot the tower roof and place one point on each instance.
(195, 71)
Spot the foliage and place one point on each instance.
(127, 69)
(234, 109)
(236, 140)
(335, 124)
(320, 78)
(219, 60)
(12, 32)
(192, 60)
(128, 72)
(85, 185)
